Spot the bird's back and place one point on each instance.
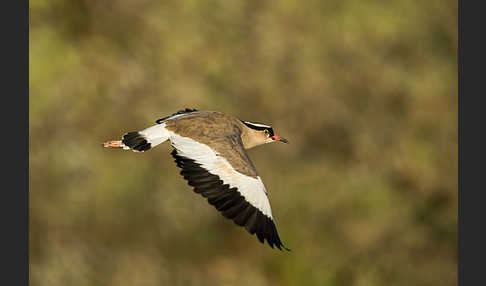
(204, 126)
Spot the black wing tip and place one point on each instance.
(264, 228)
(272, 235)
(182, 111)
(279, 245)
(284, 248)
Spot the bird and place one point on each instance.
(210, 149)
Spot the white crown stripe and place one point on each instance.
(258, 124)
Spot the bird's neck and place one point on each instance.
(249, 137)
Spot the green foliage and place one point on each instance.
(366, 92)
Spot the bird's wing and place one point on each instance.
(177, 114)
(237, 196)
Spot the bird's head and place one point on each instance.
(258, 134)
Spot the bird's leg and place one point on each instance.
(113, 144)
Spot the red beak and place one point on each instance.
(278, 138)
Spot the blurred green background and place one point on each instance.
(366, 92)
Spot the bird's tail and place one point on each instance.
(140, 141)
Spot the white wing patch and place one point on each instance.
(252, 189)
(156, 134)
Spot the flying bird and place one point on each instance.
(210, 148)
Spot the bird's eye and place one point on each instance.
(265, 131)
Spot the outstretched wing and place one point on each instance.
(237, 196)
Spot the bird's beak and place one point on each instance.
(278, 138)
